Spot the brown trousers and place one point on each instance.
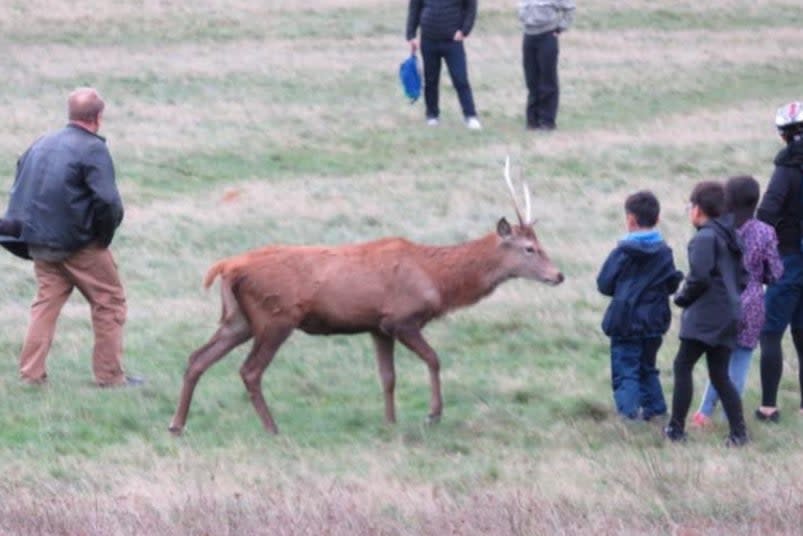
(94, 272)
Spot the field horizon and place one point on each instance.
(239, 124)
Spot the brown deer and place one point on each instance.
(390, 288)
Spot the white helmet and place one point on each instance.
(789, 116)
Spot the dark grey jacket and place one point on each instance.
(440, 19)
(711, 294)
(64, 194)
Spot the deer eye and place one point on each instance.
(529, 249)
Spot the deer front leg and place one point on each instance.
(384, 358)
(413, 340)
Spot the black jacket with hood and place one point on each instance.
(711, 295)
(782, 204)
(64, 195)
(639, 275)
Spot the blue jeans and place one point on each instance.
(634, 377)
(454, 54)
(738, 367)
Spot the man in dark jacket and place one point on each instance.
(640, 275)
(65, 207)
(711, 304)
(782, 207)
(445, 24)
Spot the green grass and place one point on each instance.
(270, 123)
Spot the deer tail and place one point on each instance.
(212, 274)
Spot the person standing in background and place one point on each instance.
(542, 21)
(445, 24)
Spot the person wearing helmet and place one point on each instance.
(782, 207)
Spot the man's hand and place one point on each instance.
(413, 45)
(458, 35)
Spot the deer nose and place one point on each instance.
(559, 279)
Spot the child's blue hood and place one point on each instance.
(642, 242)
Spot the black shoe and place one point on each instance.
(128, 381)
(674, 435)
(775, 416)
(134, 381)
(733, 441)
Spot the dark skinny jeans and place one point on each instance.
(717, 358)
(454, 54)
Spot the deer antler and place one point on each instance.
(512, 190)
(528, 208)
(527, 220)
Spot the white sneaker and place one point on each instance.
(432, 122)
(472, 123)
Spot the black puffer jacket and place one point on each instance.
(711, 296)
(782, 205)
(440, 19)
(64, 194)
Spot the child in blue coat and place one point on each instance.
(639, 275)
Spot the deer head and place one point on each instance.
(525, 257)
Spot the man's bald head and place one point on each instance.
(84, 105)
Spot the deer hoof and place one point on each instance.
(433, 419)
(175, 430)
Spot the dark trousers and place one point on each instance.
(772, 365)
(454, 54)
(540, 58)
(783, 303)
(717, 358)
(634, 377)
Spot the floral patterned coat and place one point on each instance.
(764, 266)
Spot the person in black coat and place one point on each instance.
(639, 274)
(711, 304)
(445, 24)
(782, 207)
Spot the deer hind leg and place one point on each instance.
(413, 340)
(233, 332)
(261, 355)
(387, 374)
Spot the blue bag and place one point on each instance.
(410, 78)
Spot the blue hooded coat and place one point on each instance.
(639, 275)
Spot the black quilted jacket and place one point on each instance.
(440, 19)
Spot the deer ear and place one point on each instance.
(503, 228)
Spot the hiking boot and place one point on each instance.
(432, 122)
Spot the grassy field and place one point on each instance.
(242, 123)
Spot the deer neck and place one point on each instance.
(466, 273)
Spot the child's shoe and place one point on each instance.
(701, 420)
(736, 440)
(674, 434)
